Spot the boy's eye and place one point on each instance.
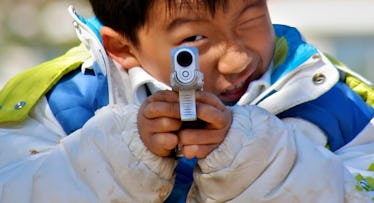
(193, 38)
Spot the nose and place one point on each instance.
(234, 59)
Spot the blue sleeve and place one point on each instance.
(76, 97)
(340, 113)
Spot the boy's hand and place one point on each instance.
(159, 124)
(200, 142)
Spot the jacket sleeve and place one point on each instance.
(265, 159)
(104, 161)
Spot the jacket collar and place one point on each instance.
(291, 51)
(308, 81)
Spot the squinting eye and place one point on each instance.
(194, 38)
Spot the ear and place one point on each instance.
(118, 48)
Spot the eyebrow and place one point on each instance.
(182, 20)
(250, 4)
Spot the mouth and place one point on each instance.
(233, 93)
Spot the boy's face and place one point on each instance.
(235, 45)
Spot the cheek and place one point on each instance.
(268, 46)
(264, 46)
(154, 55)
(208, 68)
(212, 80)
(157, 64)
(160, 71)
(268, 52)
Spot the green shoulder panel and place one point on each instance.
(23, 91)
(363, 89)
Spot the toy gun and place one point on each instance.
(186, 79)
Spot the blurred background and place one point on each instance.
(32, 31)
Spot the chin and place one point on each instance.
(228, 103)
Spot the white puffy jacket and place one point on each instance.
(262, 159)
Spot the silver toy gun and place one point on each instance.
(186, 79)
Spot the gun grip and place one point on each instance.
(198, 124)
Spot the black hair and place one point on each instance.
(128, 16)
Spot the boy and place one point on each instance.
(281, 123)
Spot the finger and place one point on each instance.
(159, 125)
(163, 95)
(157, 109)
(215, 117)
(162, 144)
(210, 99)
(201, 137)
(199, 151)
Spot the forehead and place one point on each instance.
(208, 5)
(174, 8)
(162, 11)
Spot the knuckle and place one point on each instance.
(220, 120)
(152, 107)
